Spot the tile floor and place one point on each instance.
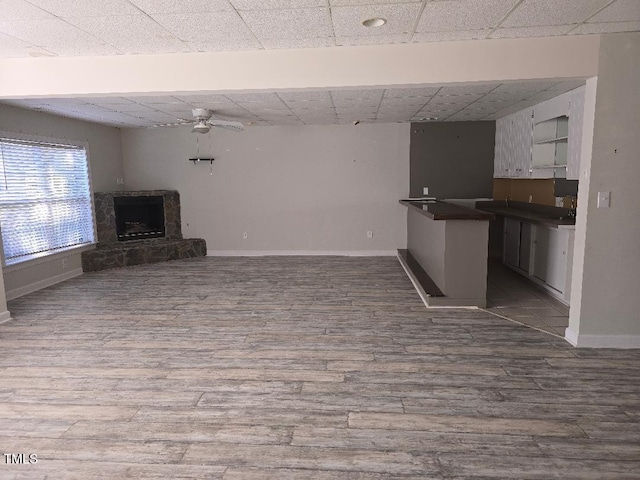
(511, 295)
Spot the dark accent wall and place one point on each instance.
(453, 159)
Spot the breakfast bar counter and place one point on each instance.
(448, 245)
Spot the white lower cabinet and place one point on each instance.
(542, 254)
(550, 250)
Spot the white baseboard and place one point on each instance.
(304, 253)
(44, 283)
(601, 341)
(5, 317)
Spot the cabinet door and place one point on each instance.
(550, 256)
(574, 147)
(501, 161)
(521, 150)
(524, 261)
(511, 242)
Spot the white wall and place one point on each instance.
(607, 304)
(105, 157)
(292, 189)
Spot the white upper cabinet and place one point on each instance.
(513, 145)
(544, 141)
(576, 120)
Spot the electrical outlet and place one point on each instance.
(425, 191)
(369, 234)
(244, 235)
(530, 198)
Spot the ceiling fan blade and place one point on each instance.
(180, 124)
(235, 126)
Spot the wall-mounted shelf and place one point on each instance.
(549, 166)
(200, 160)
(553, 140)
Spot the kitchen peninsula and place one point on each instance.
(446, 255)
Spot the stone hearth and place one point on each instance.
(111, 253)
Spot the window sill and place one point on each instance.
(46, 257)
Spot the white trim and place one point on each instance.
(602, 341)
(49, 257)
(305, 253)
(5, 317)
(571, 336)
(439, 302)
(423, 295)
(39, 285)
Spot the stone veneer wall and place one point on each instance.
(110, 253)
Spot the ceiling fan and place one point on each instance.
(203, 121)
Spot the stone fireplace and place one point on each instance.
(139, 227)
(139, 217)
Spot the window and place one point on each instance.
(45, 199)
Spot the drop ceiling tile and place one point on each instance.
(347, 95)
(347, 21)
(523, 87)
(277, 43)
(87, 8)
(589, 28)
(257, 97)
(374, 40)
(134, 108)
(57, 36)
(338, 3)
(107, 100)
(13, 47)
(152, 100)
(288, 23)
(466, 89)
(305, 96)
(457, 15)
(403, 101)
(521, 32)
(531, 13)
(273, 4)
(565, 86)
(21, 10)
(196, 99)
(497, 96)
(183, 6)
(620, 11)
(454, 99)
(204, 27)
(410, 92)
(420, 37)
(224, 44)
(131, 33)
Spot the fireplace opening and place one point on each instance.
(139, 218)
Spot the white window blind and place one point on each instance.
(45, 199)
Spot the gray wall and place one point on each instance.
(105, 160)
(311, 189)
(453, 159)
(605, 307)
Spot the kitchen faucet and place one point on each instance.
(506, 200)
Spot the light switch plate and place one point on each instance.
(425, 191)
(604, 199)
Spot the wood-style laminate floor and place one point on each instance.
(299, 368)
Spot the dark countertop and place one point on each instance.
(551, 217)
(439, 210)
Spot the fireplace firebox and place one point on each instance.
(139, 218)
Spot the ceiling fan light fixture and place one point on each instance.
(374, 22)
(201, 127)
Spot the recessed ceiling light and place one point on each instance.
(374, 22)
(426, 119)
